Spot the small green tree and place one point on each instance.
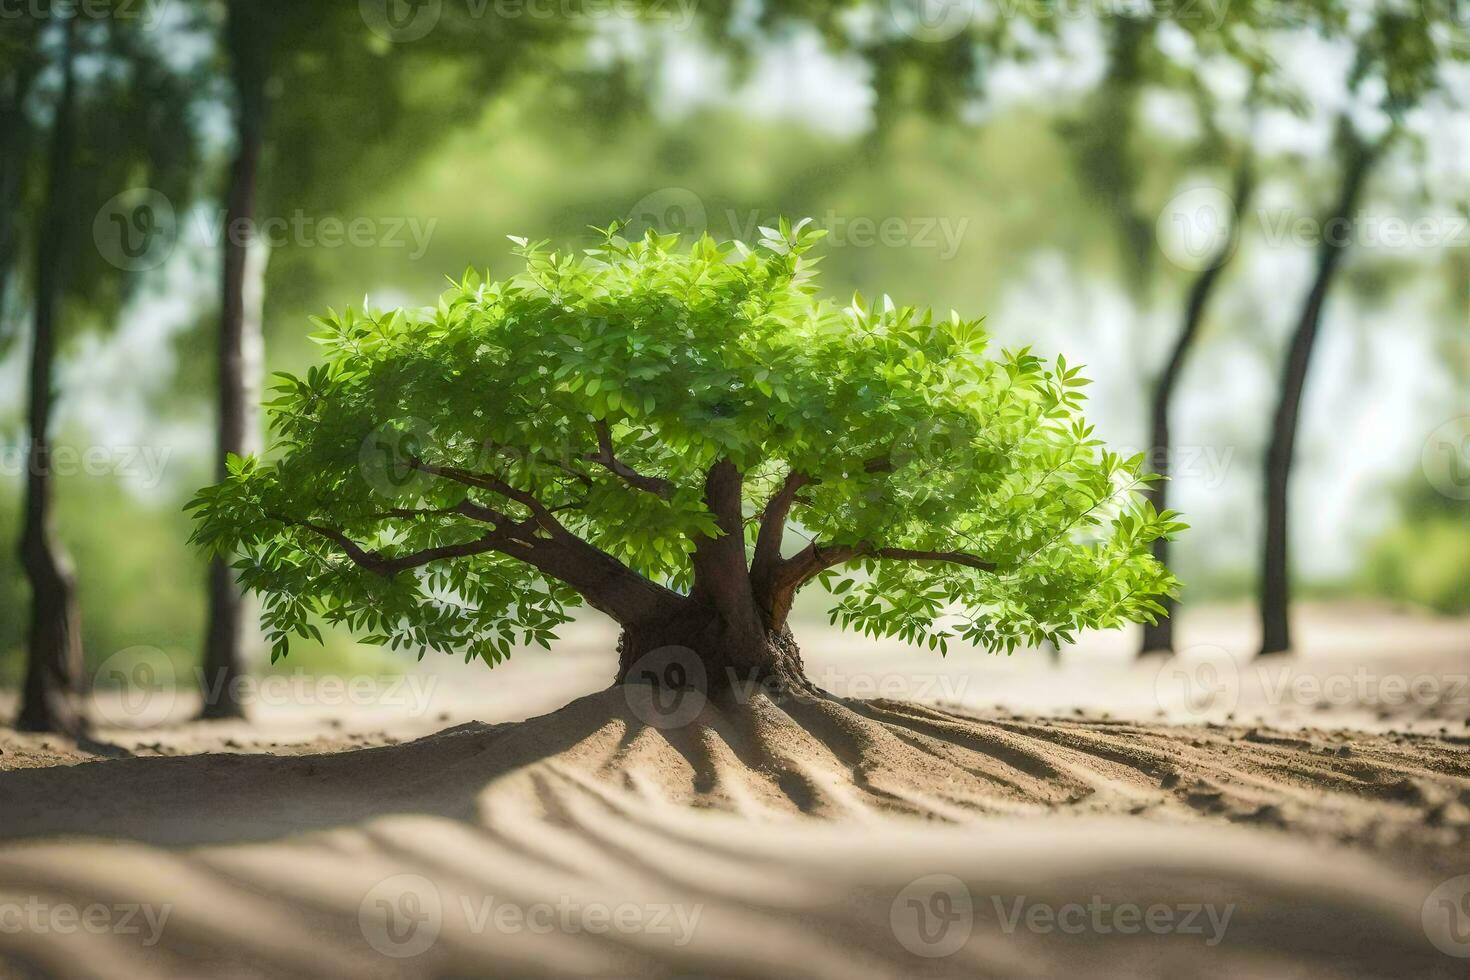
(638, 427)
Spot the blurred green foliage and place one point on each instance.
(1424, 558)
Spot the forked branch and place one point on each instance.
(772, 529)
(604, 582)
(489, 481)
(607, 458)
(387, 566)
(780, 589)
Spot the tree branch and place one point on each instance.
(790, 575)
(814, 558)
(766, 561)
(489, 481)
(465, 508)
(381, 564)
(773, 529)
(606, 583)
(608, 459)
(951, 557)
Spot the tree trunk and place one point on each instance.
(15, 149)
(1159, 637)
(1275, 584)
(723, 635)
(696, 648)
(54, 658)
(238, 363)
(1104, 150)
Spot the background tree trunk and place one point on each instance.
(1159, 637)
(1102, 142)
(239, 354)
(1275, 584)
(54, 654)
(15, 156)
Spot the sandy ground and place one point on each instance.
(1309, 816)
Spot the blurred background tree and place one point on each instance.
(1399, 62)
(117, 117)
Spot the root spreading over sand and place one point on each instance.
(807, 837)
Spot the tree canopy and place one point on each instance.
(599, 425)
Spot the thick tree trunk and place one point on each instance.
(238, 359)
(723, 635)
(1275, 584)
(1159, 637)
(696, 648)
(54, 658)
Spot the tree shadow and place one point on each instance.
(224, 797)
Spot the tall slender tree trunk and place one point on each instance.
(15, 151)
(1159, 637)
(54, 657)
(239, 355)
(1105, 153)
(1275, 583)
